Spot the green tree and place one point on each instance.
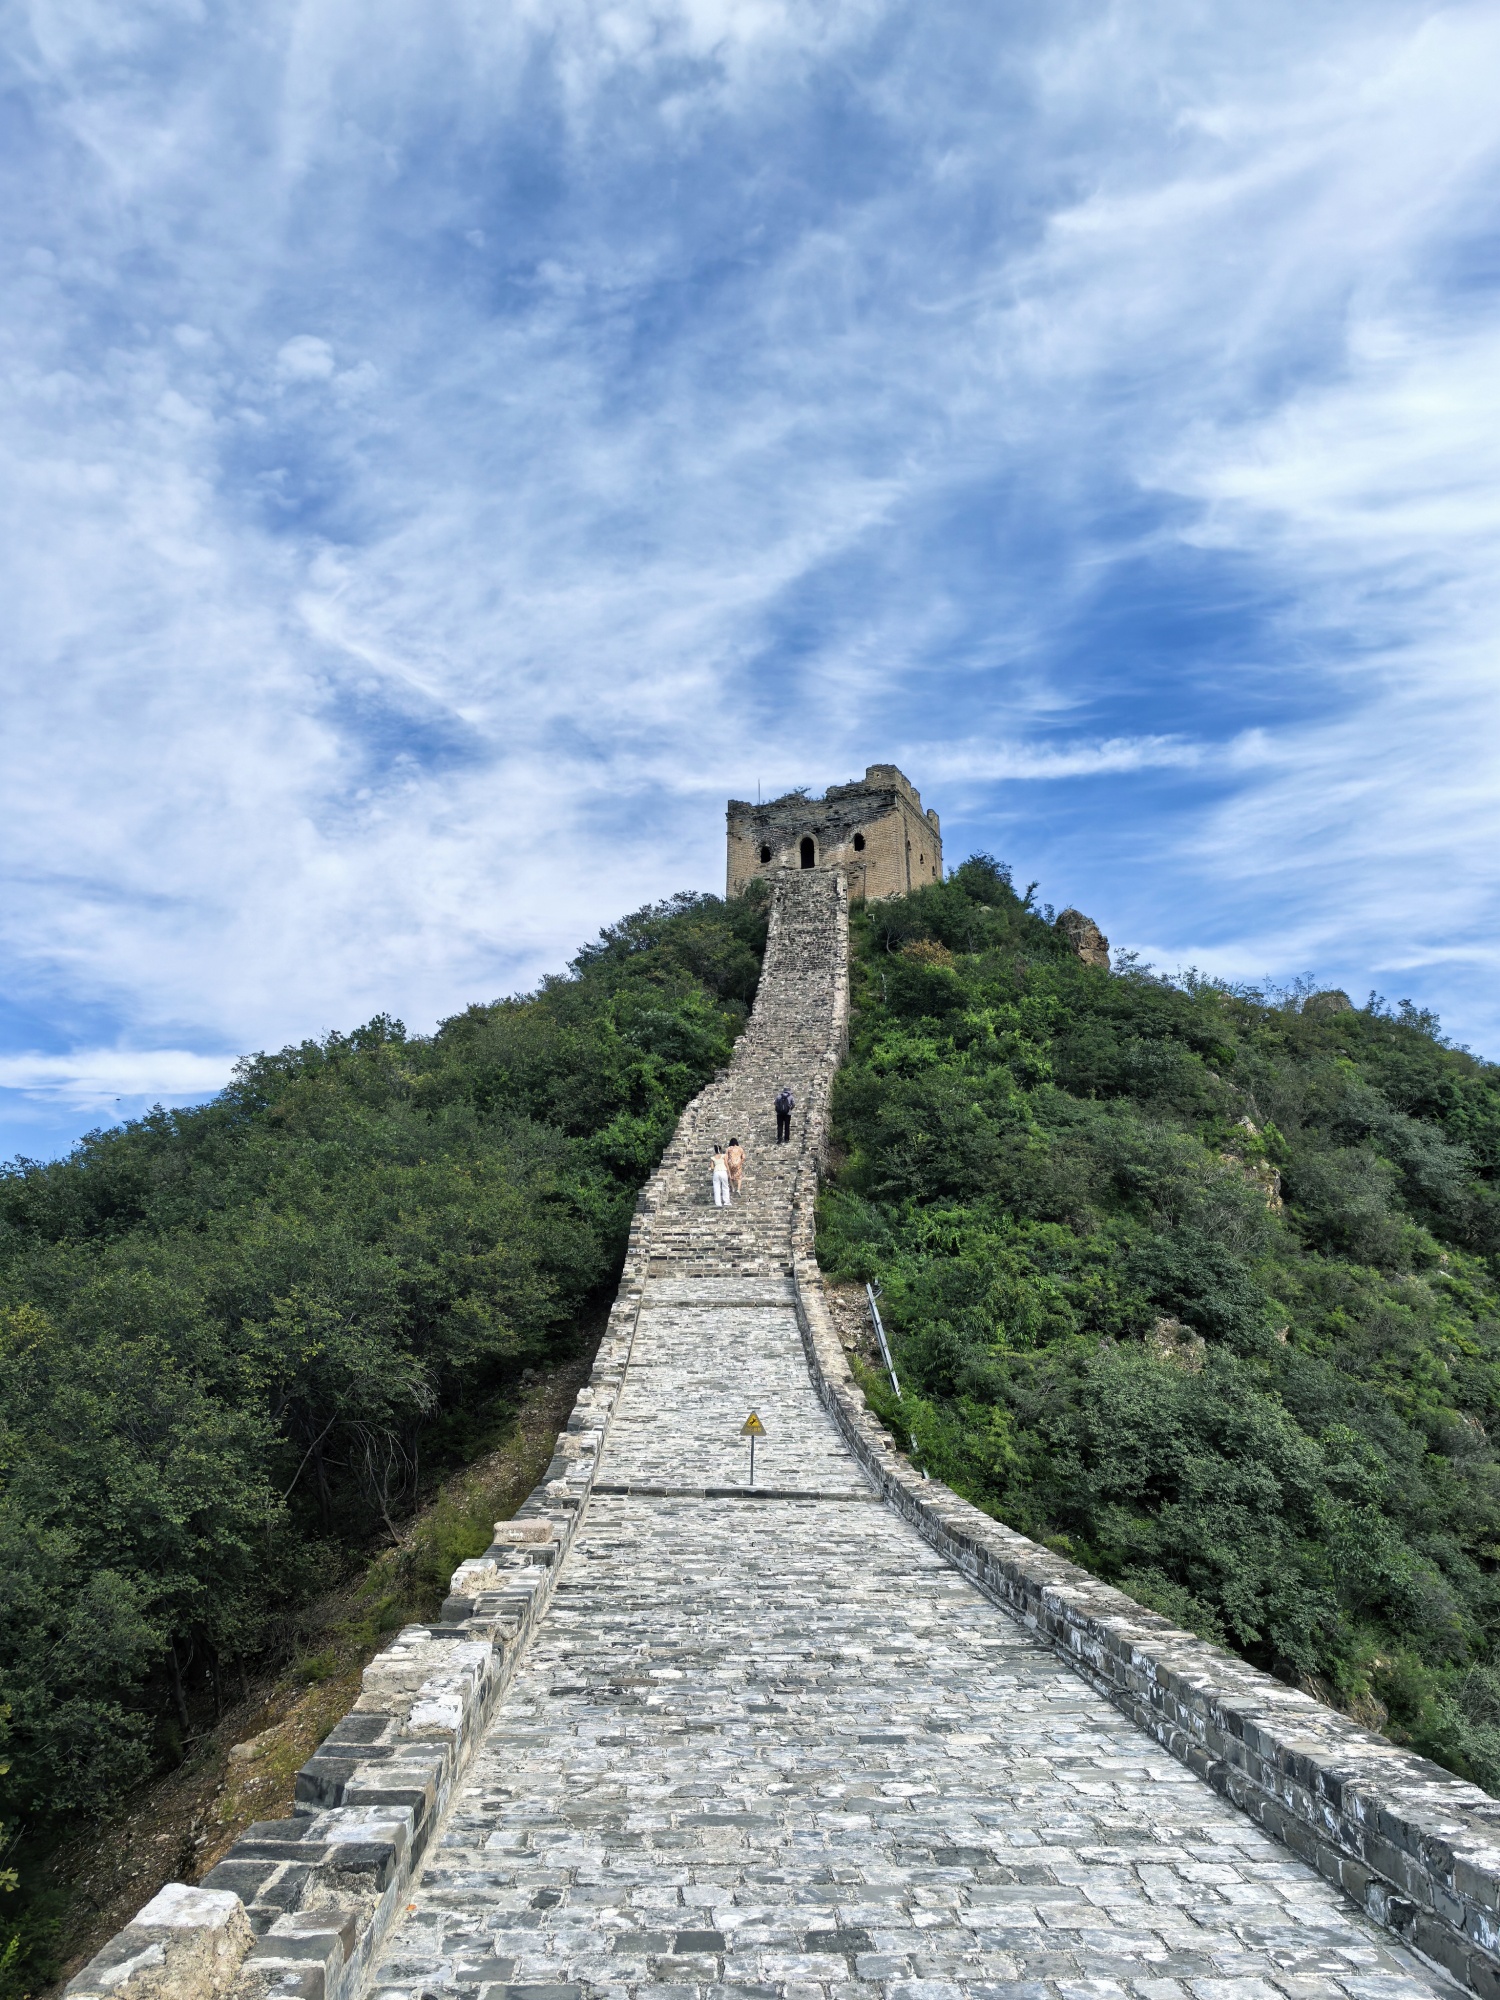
(236, 1340)
(1197, 1284)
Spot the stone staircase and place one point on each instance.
(795, 1037)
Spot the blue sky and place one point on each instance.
(446, 451)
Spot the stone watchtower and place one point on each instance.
(874, 829)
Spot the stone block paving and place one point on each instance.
(781, 1748)
(778, 1749)
(707, 1352)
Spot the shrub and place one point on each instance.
(236, 1342)
(1196, 1285)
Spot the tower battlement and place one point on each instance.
(875, 829)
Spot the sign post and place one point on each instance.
(752, 1428)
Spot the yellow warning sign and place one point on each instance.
(752, 1427)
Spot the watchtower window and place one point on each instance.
(859, 843)
(809, 852)
(765, 852)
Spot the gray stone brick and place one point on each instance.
(776, 1746)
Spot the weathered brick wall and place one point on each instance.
(875, 830)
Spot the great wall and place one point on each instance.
(838, 1734)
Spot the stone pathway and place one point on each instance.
(770, 1746)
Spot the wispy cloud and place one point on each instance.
(442, 453)
(94, 1077)
(994, 762)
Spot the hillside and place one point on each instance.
(1195, 1285)
(239, 1343)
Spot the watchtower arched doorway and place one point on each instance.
(809, 853)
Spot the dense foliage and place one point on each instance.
(234, 1339)
(1200, 1288)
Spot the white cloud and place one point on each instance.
(305, 358)
(357, 381)
(96, 1076)
(722, 391)
(1000, 761)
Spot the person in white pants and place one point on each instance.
(721, 1179)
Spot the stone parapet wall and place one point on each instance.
(298, 1908)
(1415, 1847)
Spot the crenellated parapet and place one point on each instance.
(875, 831)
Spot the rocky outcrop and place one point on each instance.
(1258, 1167)
(1177, 1345)
(1334, 1001)
(1086, 938)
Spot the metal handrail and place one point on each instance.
(890, 1367)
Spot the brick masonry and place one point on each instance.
(875, 831)
(676, 1738)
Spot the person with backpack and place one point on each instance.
(785, 1105)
